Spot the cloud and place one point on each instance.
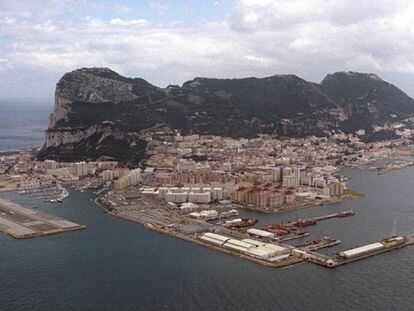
(160, 6)
(309, 38)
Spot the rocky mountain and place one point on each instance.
(101, 114)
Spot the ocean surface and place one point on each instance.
(120, 265)
(23, 122)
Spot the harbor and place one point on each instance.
(125, 247)
(22, 223)
(265, 245)
(52, 194)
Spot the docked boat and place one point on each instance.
(279, 230)
(305, 223)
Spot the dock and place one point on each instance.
(336, 261)
(312, 221)
(22, 223)
(292, 237)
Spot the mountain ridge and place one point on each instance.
(95, 106)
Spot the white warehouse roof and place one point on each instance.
(216, 236)
(253, 242)
(261, 233)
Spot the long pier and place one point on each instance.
(314, 220)
(335, 261)
(22, 223)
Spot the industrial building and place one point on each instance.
(261, 233)
(361, 250)
(206, 214)
(192, 195)
(249, 247)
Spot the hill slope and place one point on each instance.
(98, 112)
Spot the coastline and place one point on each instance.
(306, 205)
(278, 264)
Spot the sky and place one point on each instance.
(170, 42)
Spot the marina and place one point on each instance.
(52, 194)
(22, 223)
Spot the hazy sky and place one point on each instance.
(169, 42)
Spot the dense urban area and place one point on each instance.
(193, 187)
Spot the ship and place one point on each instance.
(305, 222)
(393, 241)
(320, 243)
(279, 230)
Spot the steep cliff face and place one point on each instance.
(98, 112)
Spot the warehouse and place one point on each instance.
(237, 245)
(361, 250)
(214, 238)
(206, 214)
(209, 240)
(267, 251)
(253, 242)
(277, 248)
(261, 233)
